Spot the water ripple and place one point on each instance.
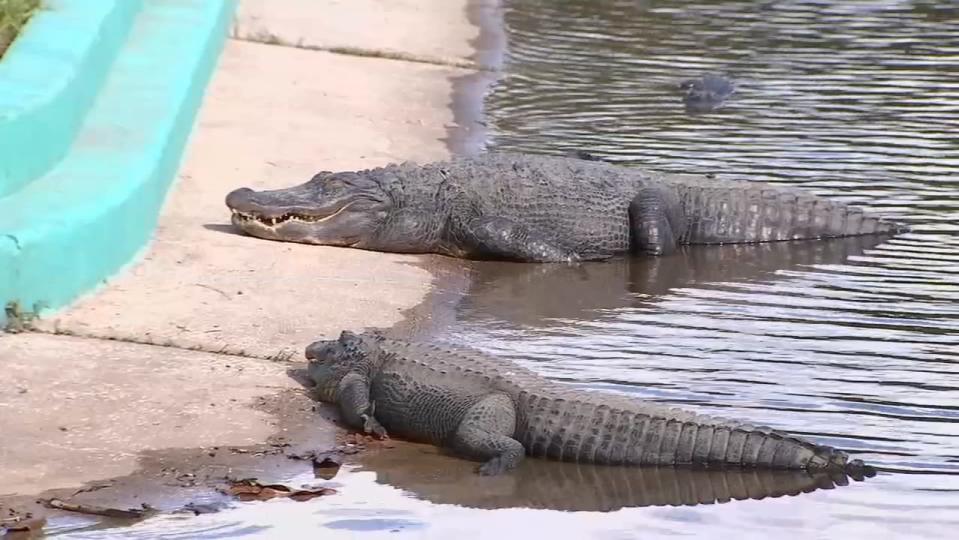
(853, 101)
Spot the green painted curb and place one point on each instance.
(63, 234)
(49, 78)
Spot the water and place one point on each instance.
(852, 343)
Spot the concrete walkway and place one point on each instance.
(87, 398)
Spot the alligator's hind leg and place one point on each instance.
(499, 238)
(486, 434)
(656, 221)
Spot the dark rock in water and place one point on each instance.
(583, 154)
(706, 93)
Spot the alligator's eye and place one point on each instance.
(320, 176)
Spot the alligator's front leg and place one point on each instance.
(486, 433)
(353, 398)
(500, 238)
(656, 221)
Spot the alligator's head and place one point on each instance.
(335, 209)
(331, 360)
(706, 93)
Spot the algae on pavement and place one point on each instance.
(14, 14)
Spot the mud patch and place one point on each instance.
(195, 480)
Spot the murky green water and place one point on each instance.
(853, 343)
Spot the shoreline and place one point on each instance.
(468, 134)
(171, 477)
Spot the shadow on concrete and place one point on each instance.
(223, 228)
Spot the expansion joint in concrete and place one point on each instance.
(268, 38)
(280, 356)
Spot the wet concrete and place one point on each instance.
(190, 480)
(209, 316)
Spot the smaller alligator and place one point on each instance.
(489, 409)
(534, 208)
(706, 93)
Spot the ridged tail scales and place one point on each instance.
(742, 212)
(619, 432)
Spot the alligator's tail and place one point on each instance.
(626, 433)
(742, 212)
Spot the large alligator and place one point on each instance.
(536, 208)
(489, 409)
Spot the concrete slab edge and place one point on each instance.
(49, 78)
(364, 52)
(65, 233)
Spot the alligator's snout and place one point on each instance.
(322, 350)
(314, 350)
(249, 214)
(240, 199)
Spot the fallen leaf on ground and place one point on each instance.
(328, 460)
(201, 508)
(325, 464)
(94, 487)
(21, 525)
(361, 441)
(26, 529)
(128, 513)
(249, 489)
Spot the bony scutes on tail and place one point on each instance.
(492, 410)
(535, 208)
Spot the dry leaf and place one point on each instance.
(128, 513)
(250, 490)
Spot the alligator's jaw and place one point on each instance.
(305, 214)
(258, 227)
(287, 227)
(273, 208)
(261, 222)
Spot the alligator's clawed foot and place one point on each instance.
(372, 427)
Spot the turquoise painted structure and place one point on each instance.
(48, 80)
(66, 230)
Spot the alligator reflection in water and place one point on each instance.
(541, 484)
(540, 295)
